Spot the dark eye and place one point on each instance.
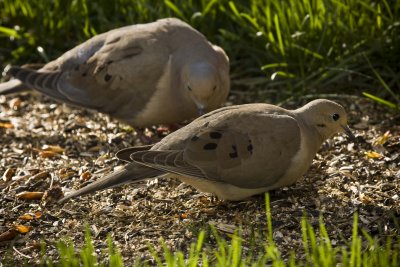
(189, 88)
(335, 117)
(214, 88)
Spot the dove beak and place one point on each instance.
(201, 108)
(349, 133)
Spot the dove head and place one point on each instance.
(327, 117)
(200, 83)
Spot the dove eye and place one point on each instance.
(189, 88)
(335, 117)
(214, 88)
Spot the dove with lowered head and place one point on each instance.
(234, 152)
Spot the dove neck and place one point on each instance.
(315, 139)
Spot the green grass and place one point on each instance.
(361, 250)
(281, 48)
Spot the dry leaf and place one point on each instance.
(23, 228)
(30, 216)
(38, 214)
(7, 125)
(55, 149)
(49, 151)
(30, 195)
(373, 155)
(86, 176)
(8, 174)
(382, 139)
(8, 235)
(47, 154)
(15, 103)
(26, 217)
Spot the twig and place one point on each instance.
(20, 253)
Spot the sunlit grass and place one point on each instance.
(361, 250)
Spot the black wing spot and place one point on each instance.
(234, 154)
(194, 138)
(250, 147)
(206, 124)
(107, 77)
(321, 125)
(84, 74)
(210, 146)
(215, 135)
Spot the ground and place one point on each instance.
(52, 149)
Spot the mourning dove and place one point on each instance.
(234, 152)
(145, 74)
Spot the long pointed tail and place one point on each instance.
(12, 87)
(128, 174)
(45, 82)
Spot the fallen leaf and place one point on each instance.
(47, 154)
(8, 235)
(26, 217)
(7, 125)
(382, 139)
(15, 103)
(373, 155)
(8, 174)
(85, 176)
(30, 195)
(23, 228)
(38, 214)
(55, 149)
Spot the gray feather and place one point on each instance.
(130, 173)
(12, 87)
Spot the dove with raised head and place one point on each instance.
(144, 74)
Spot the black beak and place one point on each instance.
(349, 133)
(201, 111)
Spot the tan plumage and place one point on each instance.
(235, 152)
(145, 74)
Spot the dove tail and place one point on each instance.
(44, 82)
(12, 87)
(130, 173)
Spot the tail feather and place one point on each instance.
(12, 87)
(44, 82)
(130, 173)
